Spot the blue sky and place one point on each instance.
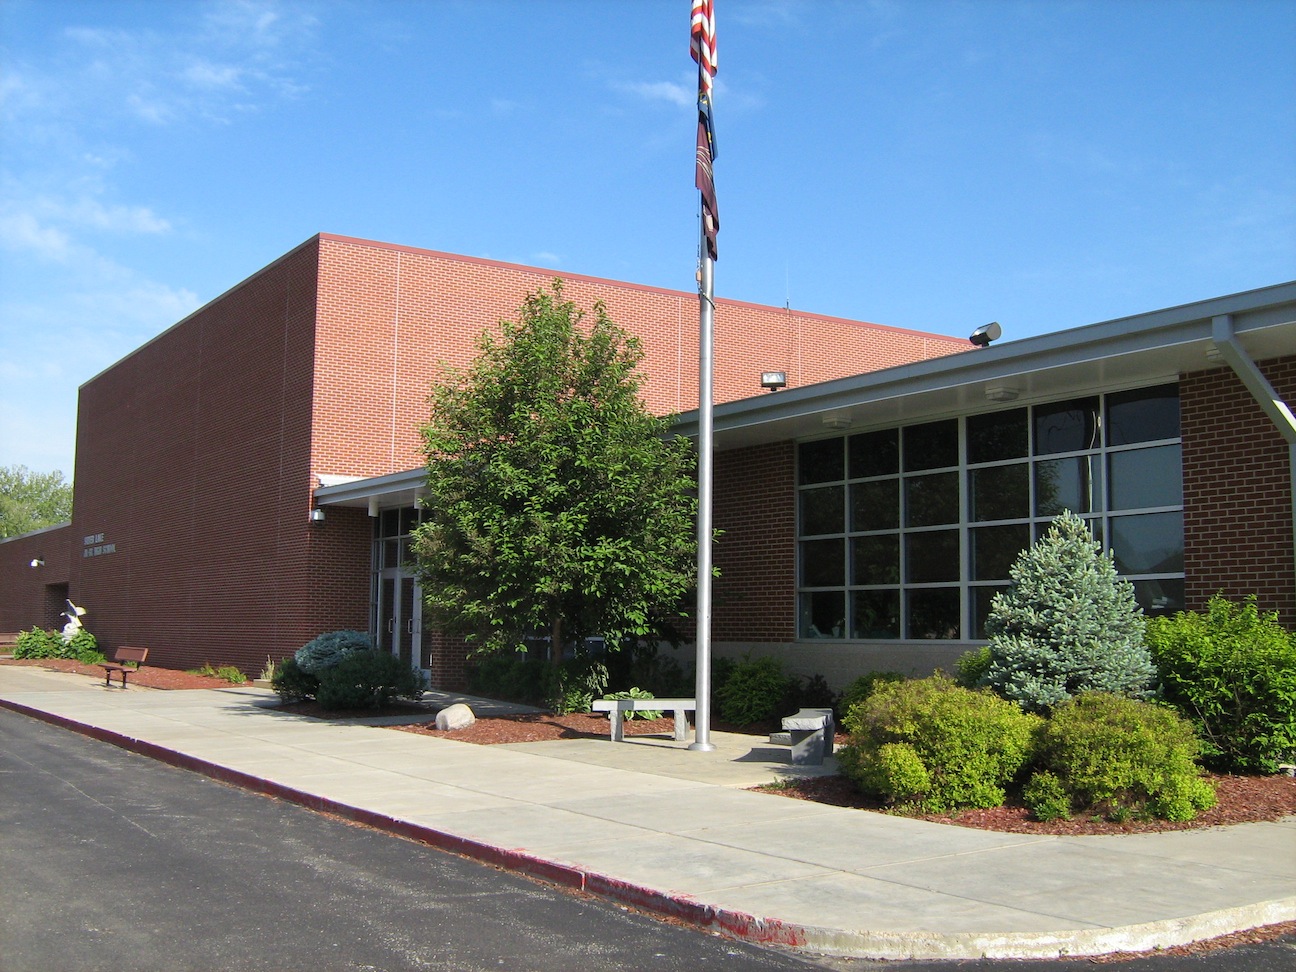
(924, 164)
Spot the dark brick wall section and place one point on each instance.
(1237, 491)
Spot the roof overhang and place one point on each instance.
(395, 489)
(1141, 350)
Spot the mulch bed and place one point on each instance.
(148, 676)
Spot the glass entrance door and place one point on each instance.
(400, 623)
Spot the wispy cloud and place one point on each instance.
(682, 95)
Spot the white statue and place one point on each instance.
(73, 626)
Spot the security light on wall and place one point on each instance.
(317, 515)
(986, 333)
(773, 380)
(38, 562)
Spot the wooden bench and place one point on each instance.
(8, 642)
(616, 709)
(811, 733)
(122, 658)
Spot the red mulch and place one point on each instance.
(148, 676)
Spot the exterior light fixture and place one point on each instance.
(38, 562)
(983, 335)
(1001, 393)
(317, 515)
(773, 380)
(837, 420)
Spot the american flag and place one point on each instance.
(703, 47)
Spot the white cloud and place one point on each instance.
(682, 95)
(22, 232)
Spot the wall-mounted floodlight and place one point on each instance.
(983, 335)
(317, 515)
(38, 562)
(773, 380)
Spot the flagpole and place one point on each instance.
(706, 329)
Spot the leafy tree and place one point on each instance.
(556, 503)
(31, 500)
(1069, 624)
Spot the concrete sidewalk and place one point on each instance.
(651, 824)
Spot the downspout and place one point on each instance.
(1269, 401)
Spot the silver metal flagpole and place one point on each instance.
(706, 328)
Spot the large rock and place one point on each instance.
(457, 716)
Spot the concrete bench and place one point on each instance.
(680, 707)
(125, 661)
(811, 733)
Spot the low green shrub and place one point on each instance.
(575, 684)
(293, 683)
(755, 690)
(635, 693)
(511, 675)
(971, 668)
(329, 649)
(227, 672)
(1122, 757)
(1046, 797)
(861, 688)
(41, 643)
(368, 680)
(1232, 671)
(970, 744)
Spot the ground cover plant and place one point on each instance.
(1231, 669)
(41, 643)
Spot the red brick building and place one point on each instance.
(244, 481)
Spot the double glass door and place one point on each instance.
(397, 611)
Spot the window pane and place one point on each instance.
(875, 560)
(876, 614)
(931, 446)
(875, 453)
(932, 557)
(934, 613)
(1159, 597)
(875, 505)
(1148, 544)
(999, 435)
(823, 563)
(408, 519)
(1146, 477)
(931, 500)
(1066, 426)
(822, 461)
(823, 510)
(995, 549)
(1143, 415)
(982, 598)
(823, 614)
(1000, 492)
(1067, 484)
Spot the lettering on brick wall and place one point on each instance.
(93, 545)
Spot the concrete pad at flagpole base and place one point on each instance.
(649, 824)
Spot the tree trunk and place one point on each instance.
(555, 640)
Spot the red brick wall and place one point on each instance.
(1237, 491)
(754, 598)
(193, 462)
(390, 316)
(33, 596)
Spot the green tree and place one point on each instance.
(31, 500)
(1069, 624)
(556, 503)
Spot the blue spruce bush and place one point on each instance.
(1069, 624)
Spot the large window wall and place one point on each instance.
(907, 533)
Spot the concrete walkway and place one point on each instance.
(651, 824)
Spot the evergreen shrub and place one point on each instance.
(932, 746)
(1119, 757)
(573, 686)
(329, 649)
(368, 680)
(1069, 624)
(754, 691)
(1232, 671)
(971, 668)
(292, 683)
